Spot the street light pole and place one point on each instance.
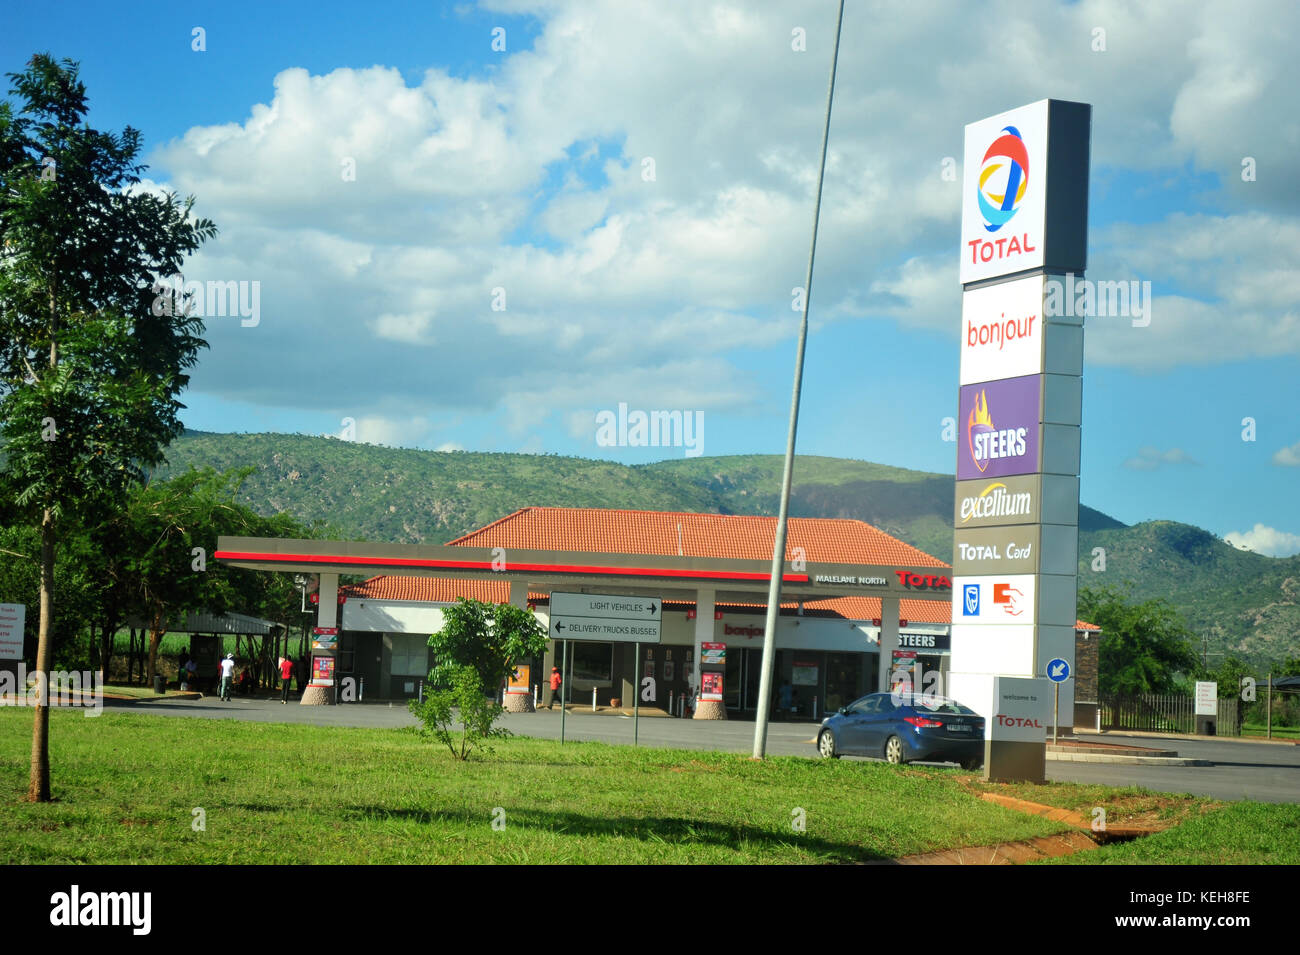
(782, 520)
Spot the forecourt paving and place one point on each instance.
(1265, 772)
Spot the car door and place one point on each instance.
(880, 725)
(852, 723)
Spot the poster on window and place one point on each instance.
(668, 669)
(803, 674)
(710, 686)
(902, 676)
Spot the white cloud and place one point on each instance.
(1288, 457)
(1268, 541)
(1151, 459)
(615, 284)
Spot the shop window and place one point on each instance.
(592, 662)
(410, 655)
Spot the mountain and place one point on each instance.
(1235, 601)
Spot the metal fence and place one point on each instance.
(1153, 713)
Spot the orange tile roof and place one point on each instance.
(432, 590)
(735, 536)
(599, 531)
(1083, 625)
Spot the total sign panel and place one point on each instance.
(1024, 178)
(1022, 709)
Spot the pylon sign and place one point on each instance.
(1020, 391)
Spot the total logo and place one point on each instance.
(1004, 720)
(924, 581)
(985, 441)
(991, 552)
(1003, 179)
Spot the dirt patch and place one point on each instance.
(1004, 853)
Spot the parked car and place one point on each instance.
(901, 727)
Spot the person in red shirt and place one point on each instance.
(555, 686)
(286, 678)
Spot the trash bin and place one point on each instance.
(159, 684)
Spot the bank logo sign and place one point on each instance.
(999, 422)
(1008, 598)
(1002, 331)
(1003, 208)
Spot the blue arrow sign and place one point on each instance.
(1058, 670)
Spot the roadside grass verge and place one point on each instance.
(1126, 805)
(128, 786)
(1240, 833)
(1279, 732)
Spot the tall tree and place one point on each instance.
(89, 369)
(1144, 646)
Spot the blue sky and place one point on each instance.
(524, 170)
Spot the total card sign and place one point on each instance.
(1022, 709)
(989, 600)
(1004, 195)
(1002, 331)
(998, 423)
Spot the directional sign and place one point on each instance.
(607, 618)
(1058, 670)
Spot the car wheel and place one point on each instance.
(894, 751)
(826, 745)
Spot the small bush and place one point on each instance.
(466, 702)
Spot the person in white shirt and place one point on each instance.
(227, 675)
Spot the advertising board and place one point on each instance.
(1025, 191)
(997, 425)
(1019, 549)
(1022, 709)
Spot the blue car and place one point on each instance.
(901, 727)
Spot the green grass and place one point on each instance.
(1279, 732)
(127, 784)
(1243, 833)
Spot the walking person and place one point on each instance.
(227, 675)
(556, 682)
(286, 678)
